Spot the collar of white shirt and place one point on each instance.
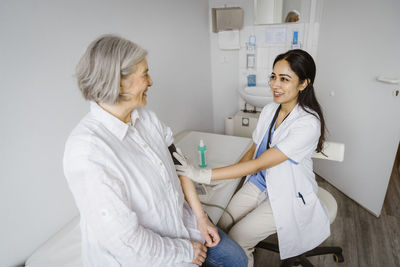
(112, 123)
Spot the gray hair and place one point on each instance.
(107, 59)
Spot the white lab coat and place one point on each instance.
(300, 227)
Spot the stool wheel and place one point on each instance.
(338, 257)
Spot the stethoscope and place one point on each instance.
(273, 124)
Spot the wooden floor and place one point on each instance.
(366, 241)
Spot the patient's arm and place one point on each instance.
(206, 228)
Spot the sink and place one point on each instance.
(257, 96)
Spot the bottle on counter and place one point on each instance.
(202, 149)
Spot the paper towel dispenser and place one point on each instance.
(227, 18)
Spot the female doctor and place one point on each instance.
(280, 192)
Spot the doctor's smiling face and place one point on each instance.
(285, 84)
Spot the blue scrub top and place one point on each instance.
(258, 179)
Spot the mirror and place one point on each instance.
(281, 11)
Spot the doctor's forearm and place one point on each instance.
(249, 154)
(268, 159)
(237, 170)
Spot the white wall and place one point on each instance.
(359, 41)
(225, 68)
(41, 42)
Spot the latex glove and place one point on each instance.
(202, 176)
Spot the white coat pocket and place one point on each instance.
(304, 207)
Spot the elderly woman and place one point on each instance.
(120, 171)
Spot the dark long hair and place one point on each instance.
(303, 65)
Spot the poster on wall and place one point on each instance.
(275, 35)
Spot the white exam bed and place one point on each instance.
(61, 250)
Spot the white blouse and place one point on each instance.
(131, 204)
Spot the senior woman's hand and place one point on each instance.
(199, 252)
(202, 176)
(209, 231)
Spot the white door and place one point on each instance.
(358, 41)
